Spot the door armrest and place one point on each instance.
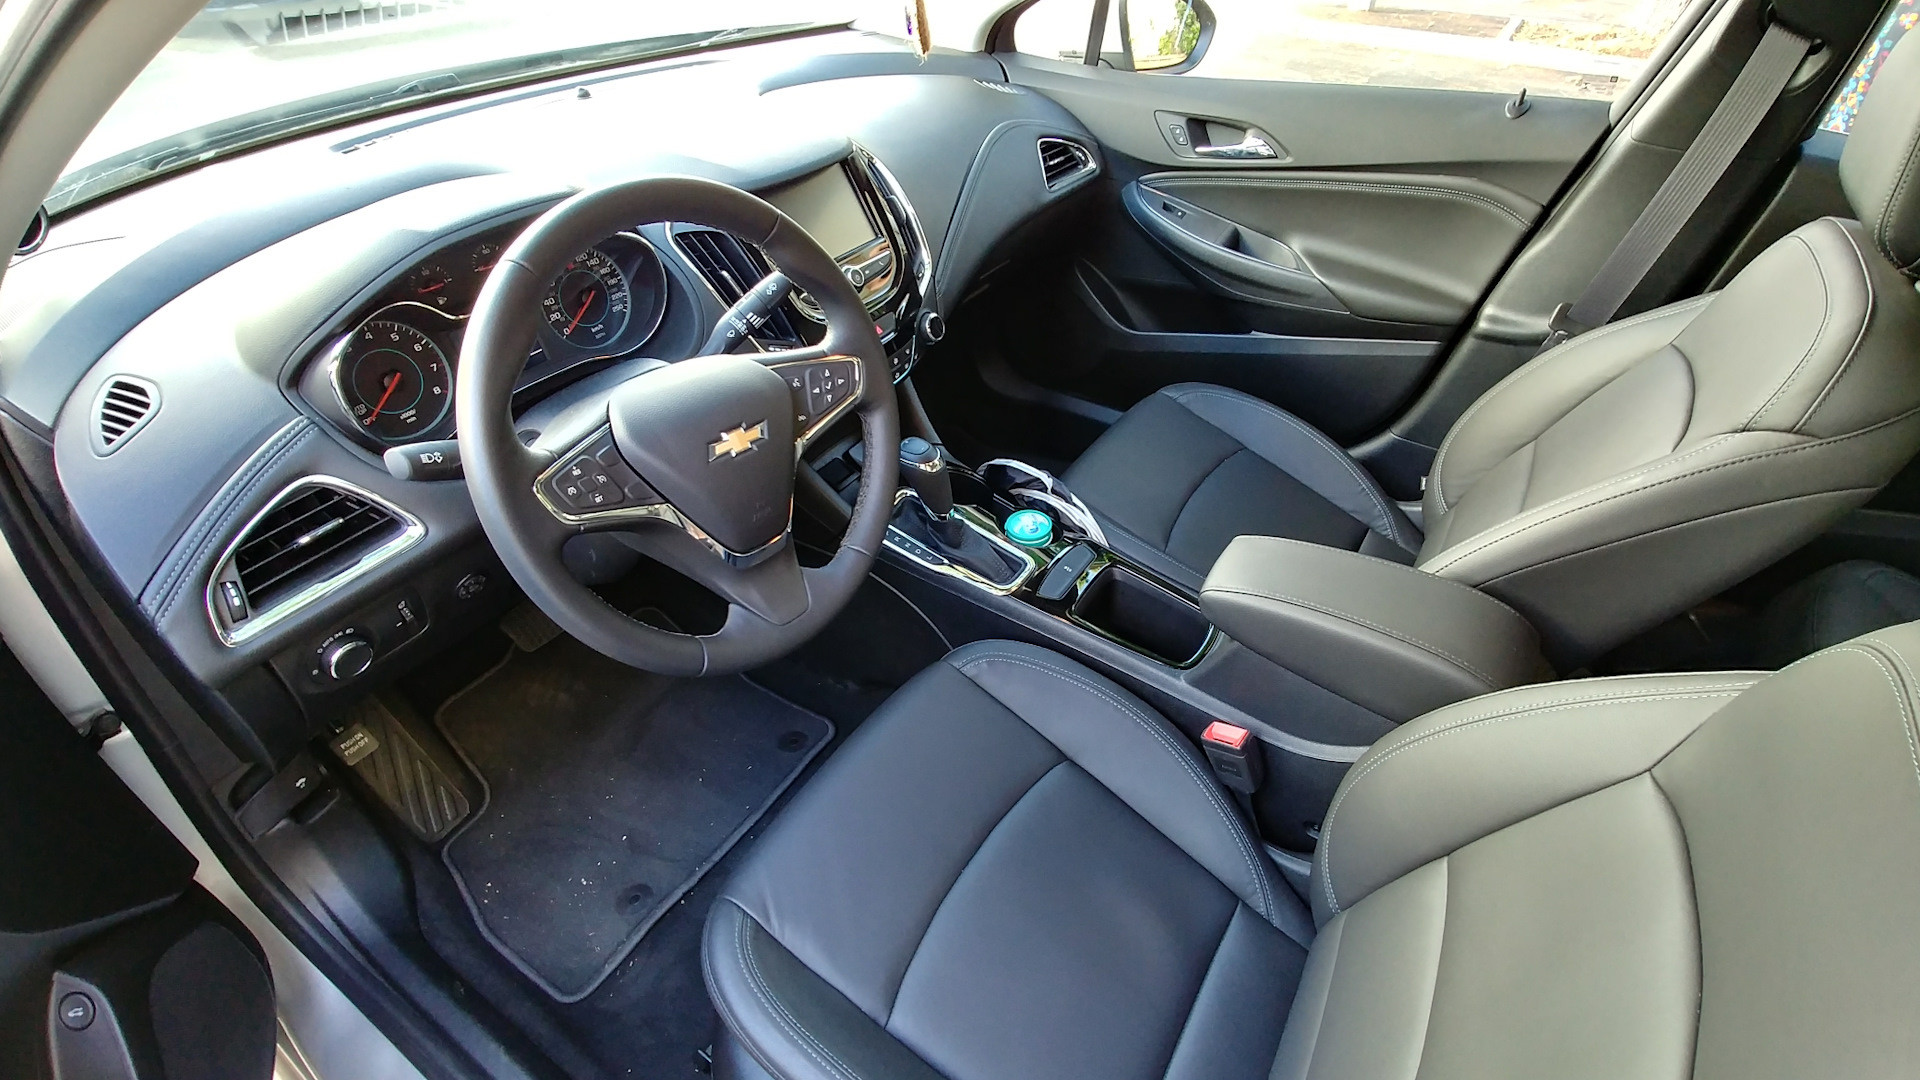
(1393, 639)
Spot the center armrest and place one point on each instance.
(1388, 637)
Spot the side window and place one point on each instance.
(1900, 20)
(1559, 48)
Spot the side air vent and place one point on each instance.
(123, 407)
(314, 537)
(732, 268)
(1063, 159)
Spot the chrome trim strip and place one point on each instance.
(819, 424)
(411, 532)
(661, 511)
(1034, 559)
(897, 195)
(1088, 165)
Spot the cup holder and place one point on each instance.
(1143, 615)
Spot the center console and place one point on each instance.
(1317, 652)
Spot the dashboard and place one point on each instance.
(205, 374)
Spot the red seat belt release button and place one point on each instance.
(1234, 754)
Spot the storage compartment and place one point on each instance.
(1142, 615)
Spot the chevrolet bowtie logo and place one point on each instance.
(738, 441)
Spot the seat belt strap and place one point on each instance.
(1733, 122)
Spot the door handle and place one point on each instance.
(1251, 147)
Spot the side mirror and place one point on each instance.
(1167, 36)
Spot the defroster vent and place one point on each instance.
(122, 408)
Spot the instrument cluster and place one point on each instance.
(389, 379)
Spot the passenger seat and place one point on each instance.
(1617, 479)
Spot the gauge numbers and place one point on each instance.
(588, 304)
(393, 380)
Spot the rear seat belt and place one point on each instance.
(1747, 102)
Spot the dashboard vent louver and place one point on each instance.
(1063, 159)
(311, 532)
(732, 268)
(124, 406)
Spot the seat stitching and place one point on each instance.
(1490, 681)
(1859, 338)
(1367, 487)
(1814, 443)
(1181, 514)
(728, 1015)
(763, 991)
(1515, 376)
(1212, 959)
(1449, 582)
(1114, 526)
(1346, 185)
(1899, 694)
(937, 908)
(1478, 721)
(1213, 797)
(1893, 193)
(1820, 332)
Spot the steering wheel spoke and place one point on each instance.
(692, 462)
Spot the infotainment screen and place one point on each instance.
(825, 205)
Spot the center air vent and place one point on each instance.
(732, 268)
(122, 408)
(315, 537)
(1063, 159)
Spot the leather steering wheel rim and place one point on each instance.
(774, 605)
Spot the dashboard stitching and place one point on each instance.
(211, 527)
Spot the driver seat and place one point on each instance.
(1016, 869)
(1617, 479)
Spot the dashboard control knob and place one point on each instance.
(930, 328)
(346, 658)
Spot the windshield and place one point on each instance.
(245, 71)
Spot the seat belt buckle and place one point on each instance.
(1234, 755)
(1562, 327)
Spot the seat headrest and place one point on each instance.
(1880, 169)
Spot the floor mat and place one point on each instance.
(610, 792)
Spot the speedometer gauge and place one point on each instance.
(588, 304)
(394, 380)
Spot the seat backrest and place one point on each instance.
(1644, 466)
(1800, 804)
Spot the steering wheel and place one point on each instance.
(693, 462)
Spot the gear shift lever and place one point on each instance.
(925, 471)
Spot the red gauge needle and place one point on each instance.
(585, 303)
(433, 288)
(393, 383)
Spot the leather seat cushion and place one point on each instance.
(1014, 869)
(1193, 466)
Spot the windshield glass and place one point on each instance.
(243, 71)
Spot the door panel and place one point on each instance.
(112, 961)
(1320, 257)
(1331, 126)
(1405, 247)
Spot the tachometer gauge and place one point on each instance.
(589, 302)
(394, 381)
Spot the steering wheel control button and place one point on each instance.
(76, 1012)
(818, 388)
(1029, 528)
